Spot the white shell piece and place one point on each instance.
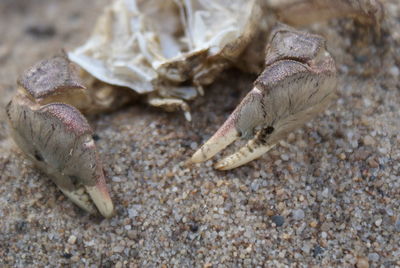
(155, 45)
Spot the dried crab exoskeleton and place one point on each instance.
(298, 82)
(167, 50)
(54, 134)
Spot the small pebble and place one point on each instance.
(361, 154)
(373, 257)
(72, 240)
(369, 141)
(362, 262)
(118, 249)
(278, 220)
(66, 255)
(284, 157)
(394, 70)
(116, 179)
(378, 222)
(193, 145)
(286, 236)
(325, 193)
(41, 31)
(298, 214)
(324, 235)
(132, 213)
(317, 250)
(132, 234)
(397, 224)
(291, 137)
(194, 227)
(372, 163)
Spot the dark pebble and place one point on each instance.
(317, 250)
(194, 227)
(67, 255)
(95, 137)
(278, 220)
(107, 264)
(361, 58)
(41, 31)
(21, 226)
(134, 253)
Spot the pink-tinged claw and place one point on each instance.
(298, 82)
(47, 126)
(58, 139)
(101, 198)
(240, 123)
(219, 141)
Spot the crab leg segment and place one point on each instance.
(56, 136)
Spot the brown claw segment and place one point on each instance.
(298, 83)
(51, 78)
(57, 138)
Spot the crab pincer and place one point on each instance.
(56, 136)
(298, 82)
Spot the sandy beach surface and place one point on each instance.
(327, 196)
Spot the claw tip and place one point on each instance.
(198, 156)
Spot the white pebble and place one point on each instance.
(298, 214)
(284, 157)
(394, 71)
(118, 249)
(325, 193)
(116, 179)
(132, 213)
(193, 145)
(72, 240)
(378, 222)
(373, 257)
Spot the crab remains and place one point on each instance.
(168, 50)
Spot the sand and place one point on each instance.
(327, 196)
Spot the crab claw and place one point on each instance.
(233, 128)
(298, 83)
(56, 137)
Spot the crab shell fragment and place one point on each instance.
(154, 46)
